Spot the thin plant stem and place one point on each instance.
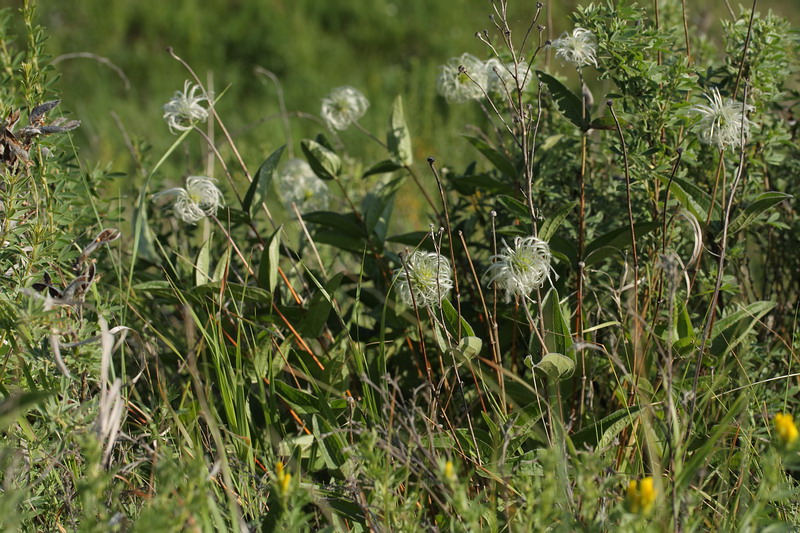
(633, 239)
(408, 168)
(310, 240)
(686, 31)
(215, 152)
(443, 196)
(745, 49)
(720, 268)
(284, 115)
(679, 151)
(492, 324)
(581, 246)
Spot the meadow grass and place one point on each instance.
(555, 291)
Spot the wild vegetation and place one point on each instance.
(591, 327)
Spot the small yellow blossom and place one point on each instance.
(641, 495)
(449, 471)
(786, 429)
(284, 483)
(283, 478)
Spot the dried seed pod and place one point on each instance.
(37, 115)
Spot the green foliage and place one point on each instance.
(620, 298)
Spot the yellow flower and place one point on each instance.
(449, 471)
(786, 429)
(283, 478)
(641, 495)
(284, 483)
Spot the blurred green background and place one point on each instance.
(381, 47)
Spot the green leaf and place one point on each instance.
(514, 207)
(607, 123)
(398, 138)
(300, 401)
(764, 201)
(514, 231)
(568, 102)
(711, 443)
(551, 224)
(157, 288)
(302, 443)
(236, 217)
(558, 338)
(451, 318)
(564, 250)
(683, 325)
(618, 239)
(693, 198)
(268, 266)
(480, 182)
(259, 189)
(146, 249)
(202, 264)
(330, 445)
(324, 162)
(497, 159)
(155, 285)
(440, 337)
(347, 224)
(601, 433)
(343, 242)
(382, 167)
(17, 405)
(556, 366)
(550, 142)
(319, 308)
(235, 291)
(494, 431)
(732, 329)
(372, 209)
(470, 346)
(378, 214)
(415, 239)
(221, 270)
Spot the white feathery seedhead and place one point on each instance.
(722, 121)
(342, 107)
(200, 198)
(521, 269)
(579, 48)
(184, 109)
(500, 77)
(456, 86)
(300, 186)
(428, 275)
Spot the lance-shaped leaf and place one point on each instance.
(604, 431)
(262, 181)
(693, 198)
(607, 244)
(764, 201)
(382, 167)
(324, 162)
(497, 159)
(514, 207)
(268, 267)
(398, 138)
(552, 223)
(202, 264)
(568, 102)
